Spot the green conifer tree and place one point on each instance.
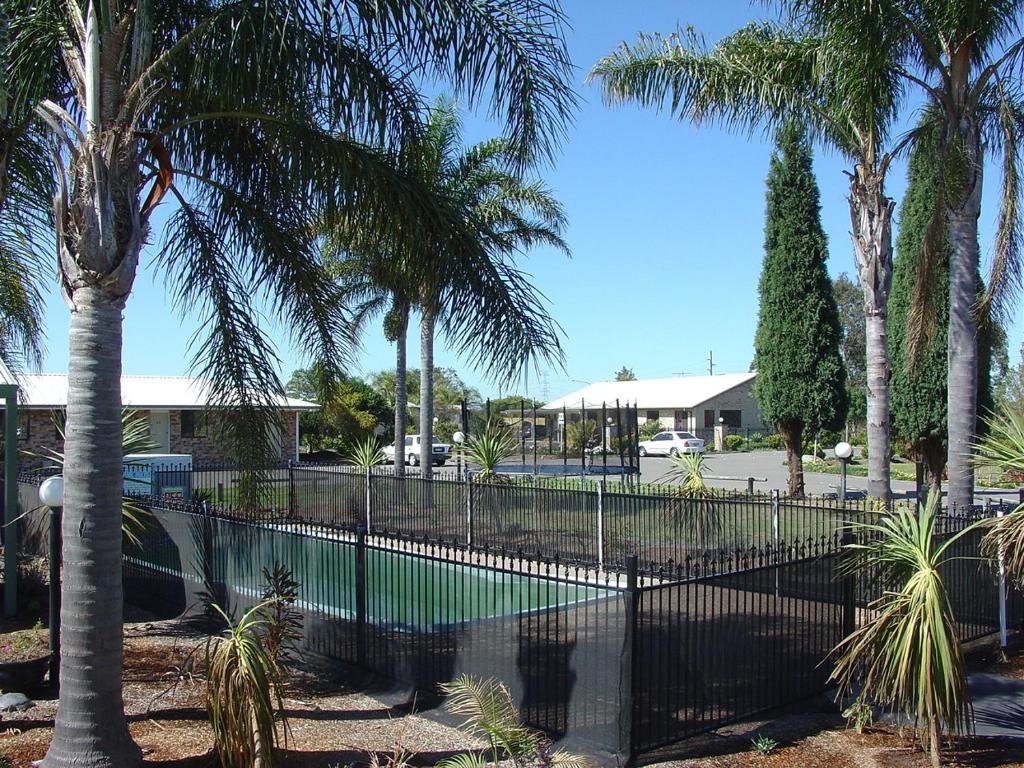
(801, 380)
(917, 391)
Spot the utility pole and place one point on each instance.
(711, 363)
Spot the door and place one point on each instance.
(160, 431)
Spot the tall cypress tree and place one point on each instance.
(801, 380)
(917, 391)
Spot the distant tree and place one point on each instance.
(350, 409)
(1009, 387)
(801, 381)
(850, 301)
(625, 374)
(918, 388)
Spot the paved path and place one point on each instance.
(770, 464)
(998, 706)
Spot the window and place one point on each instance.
(685, 436)
(662, 436)
(408, 440)
(709, 418)
(652, 415)
(732, 419)
(193, 424)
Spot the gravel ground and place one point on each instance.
(334, 725)
(164, 701)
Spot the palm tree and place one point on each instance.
(251, 118)
(484, 304)
(471, 289)
(969, 59)
(374, 280)
(25, 194)
(833, 67)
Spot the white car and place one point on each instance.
(671, 444)
(440, 451)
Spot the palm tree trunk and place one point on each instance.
(90, 727)
(427, 322)
(792, 438)
(933, 454)
(962, 346)
(401, 398)
(871, 218)
(877, 370)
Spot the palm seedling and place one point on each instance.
(906, 656)
(1003, 447)
(365, 453)
(490, 714)
(488, 450)
(693, 504)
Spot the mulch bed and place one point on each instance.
(332, 724)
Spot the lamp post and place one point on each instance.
(843, 452)
(459, 437)
(51, 495)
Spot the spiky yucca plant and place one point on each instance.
(366, 453)
(245, 691)
(1003, 447)
(491, 714)
(693, 506)
(488, 450)
(906, 655)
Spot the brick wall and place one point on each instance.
(42, 437)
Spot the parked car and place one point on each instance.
(671, 443)
(440, 451)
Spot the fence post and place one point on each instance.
(849, 586)
(469, 508)
(1003, 640)
(750, 486)
(361, 595)
(600, 525)
(369, 496)
(775, 536)
(627, 667)
(291, 489)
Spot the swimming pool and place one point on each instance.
(423, 590)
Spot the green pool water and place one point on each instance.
(401, 589)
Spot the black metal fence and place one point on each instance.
(725, 620)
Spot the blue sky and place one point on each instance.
(665, 226)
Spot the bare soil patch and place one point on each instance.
(333, 724)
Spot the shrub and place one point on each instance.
(581, 435)
(649, 429)
(773, 442)
(734, 442)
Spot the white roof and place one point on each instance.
(678, 392)
(50, 390)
